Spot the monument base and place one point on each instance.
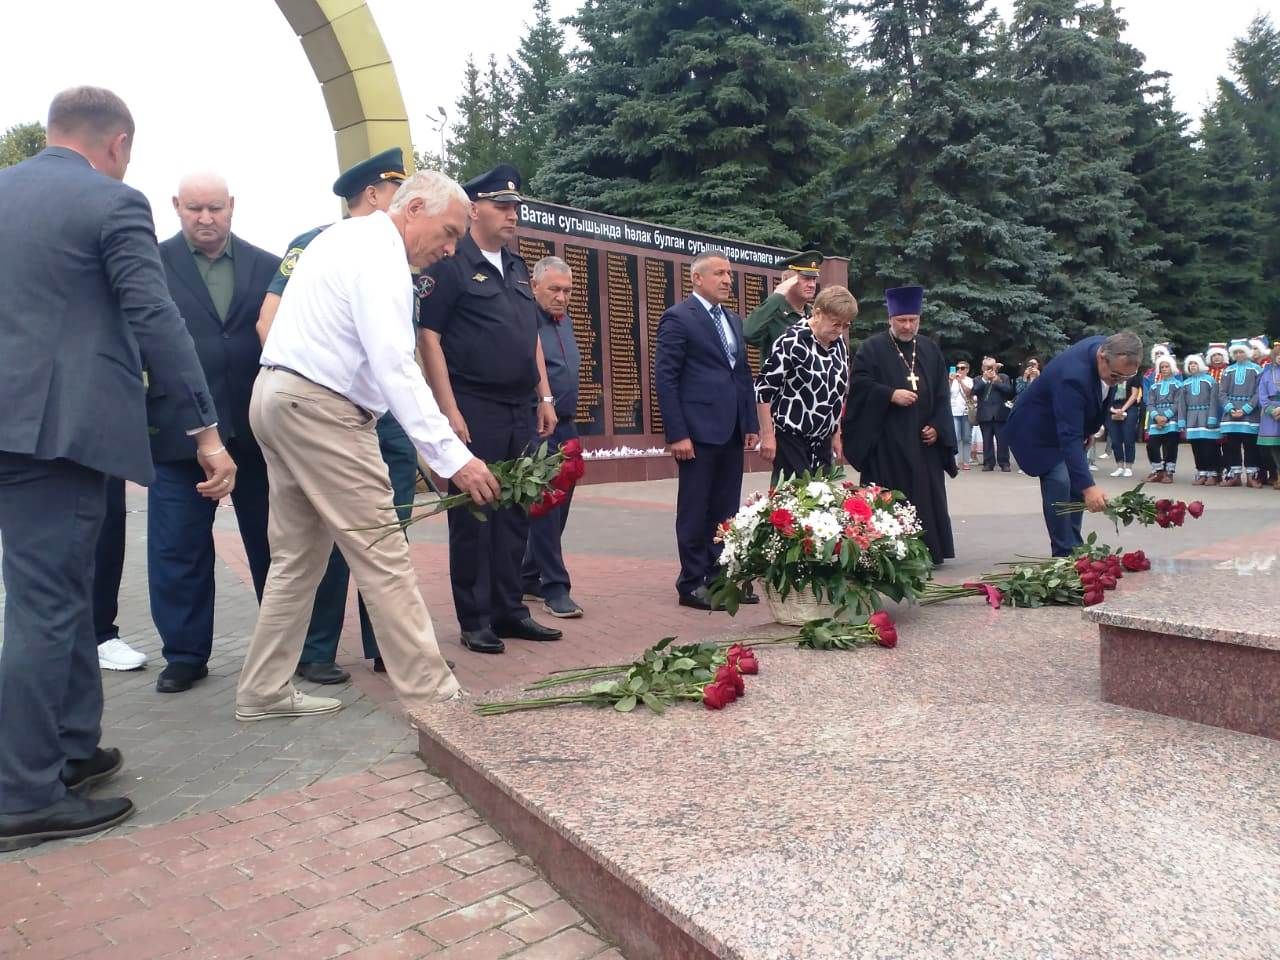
(967, 794)
(1195, 657)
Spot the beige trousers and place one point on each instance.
(326, 478)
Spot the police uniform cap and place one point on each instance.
(806, 264)
(387, 165)
(501, 184)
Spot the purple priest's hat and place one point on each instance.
(904, 301)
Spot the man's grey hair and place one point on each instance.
(436, 190)
(91, 112)
(711, 253)
(548, 265)
(1125, 345)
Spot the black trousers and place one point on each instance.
(1163, 449)
(108, 564)
(1238, 448)
(50, 686)
(485, 556)
(994, 450)
(709, 492)
(796, 454)
(1208, 455)
(543, 571)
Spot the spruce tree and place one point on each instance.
(1073, 84)
(949, 164)
(1254, 95)
(537, 73)
(469, 146)
(698, 115)
(498, 104)
(1232, 204)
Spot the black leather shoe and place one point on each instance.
(526, 629)
(379, 666)
(322, 673)
(81, 776)
(749, 595)
(178, 677)
(700, 599)
(72, 816)
(482, 641)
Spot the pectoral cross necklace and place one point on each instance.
(912, 378)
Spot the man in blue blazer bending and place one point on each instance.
(218, 282)
(1057, 415)
(708, 407)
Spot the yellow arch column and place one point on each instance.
(355, 72)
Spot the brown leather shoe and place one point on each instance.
(1154, 476)
(1254, 483)
(1231, 482)
(1198, 481)
(1211, 481)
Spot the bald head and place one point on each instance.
(204, 206)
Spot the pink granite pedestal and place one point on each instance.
(968, 794)
(1202, 646)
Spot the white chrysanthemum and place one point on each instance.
(820, 491)
(824, 525)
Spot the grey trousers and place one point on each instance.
(50, 686)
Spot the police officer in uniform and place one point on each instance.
(484, 362)
(366, 187)
(790, 302)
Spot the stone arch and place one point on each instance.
(356, 75)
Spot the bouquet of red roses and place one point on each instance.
(538, 483)
(1133, 506)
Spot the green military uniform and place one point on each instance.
(767, 322)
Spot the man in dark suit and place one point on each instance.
(84, 296)
(1057, 415)
(218, 282)
(994, 393)
(708, 407)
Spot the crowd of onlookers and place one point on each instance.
(1223, 404)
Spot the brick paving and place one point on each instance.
(327, 836)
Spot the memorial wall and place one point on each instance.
(626, 273)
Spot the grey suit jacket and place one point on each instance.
(84, 301)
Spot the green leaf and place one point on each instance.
(605, 686)
(625, 705)
(653, 703)
(684, 663)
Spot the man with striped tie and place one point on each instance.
(708, 406)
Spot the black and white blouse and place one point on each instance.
(805, 383)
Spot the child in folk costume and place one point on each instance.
(1261, 349)
(1164, 423)
(1198, 410)
(1218, 360)
(1269, 408)
(1149, 380)
(1238, 392)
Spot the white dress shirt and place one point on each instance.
(345, 322)
(725, 325)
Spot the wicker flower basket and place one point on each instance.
(798, 608)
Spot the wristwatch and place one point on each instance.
(547, 400)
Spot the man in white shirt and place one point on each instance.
(339, 355)
(961, 388)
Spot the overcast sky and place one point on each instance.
(224, 85)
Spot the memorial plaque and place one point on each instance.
(623, 310)
(617, 297)
(754, 291)
(531, 250)
(584, 309)
(659, 293)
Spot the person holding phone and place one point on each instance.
(961, 389)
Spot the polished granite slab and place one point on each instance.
(966, 795)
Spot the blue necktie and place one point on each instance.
(717, 314)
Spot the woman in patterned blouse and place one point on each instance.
(801, 389)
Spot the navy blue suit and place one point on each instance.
(180, 552)
(704, 399)
(84, 302)
(1047, 430)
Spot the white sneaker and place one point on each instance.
(1128, 472)
(1102, 456)
(115, 654)
(1117, 472)
(1093, 468)
(298, 704)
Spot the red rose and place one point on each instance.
(1195, 508)
(807, 544)
(1082, 565)
(735, 651)
(858, 508)
(1089, 579)
(1146, 564)
(729, 676)
(880, 619)
(782, 521)
(1091, 597)
(1107, 582)
(1132, 562)
(887, 637)
(564, 479)
(714, 696)
(748, 663)
(1163, 504)
(572, 449)
(543, 505)
(1163, 521)
(1097, 566)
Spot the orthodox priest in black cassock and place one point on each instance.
(892, 439)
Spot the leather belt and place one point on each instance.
(303, 376)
